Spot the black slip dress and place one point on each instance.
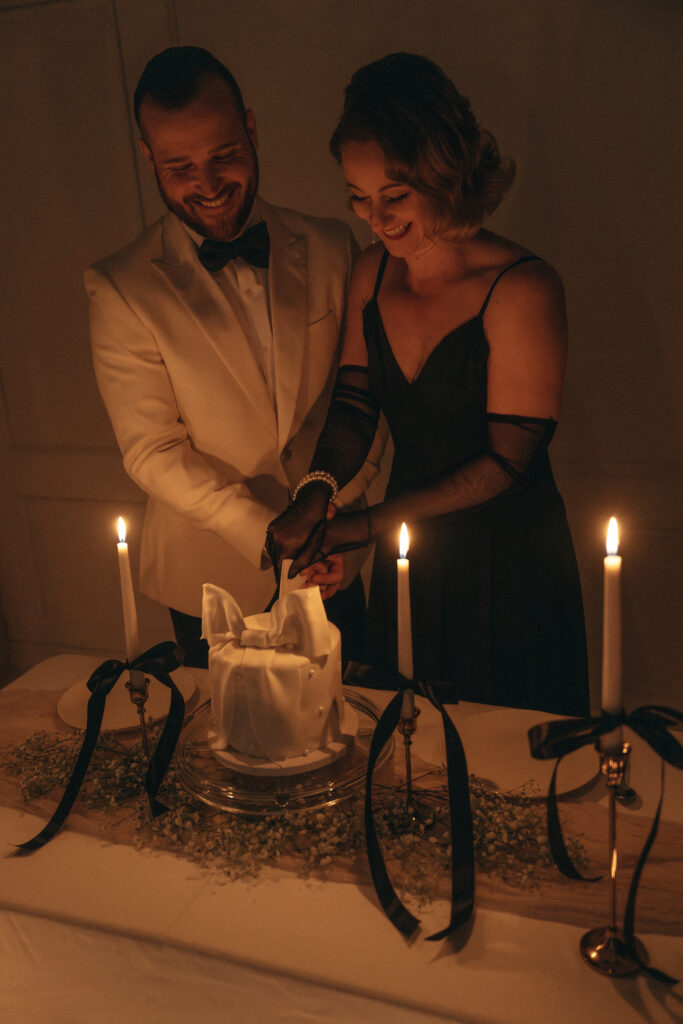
(495, 594)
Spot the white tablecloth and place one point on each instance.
(97, 932)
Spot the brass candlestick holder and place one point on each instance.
(138, 688)
(606, 949)
(407, 726)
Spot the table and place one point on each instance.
(99, 932)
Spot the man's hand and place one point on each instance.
(327, 575)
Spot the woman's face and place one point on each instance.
(395, 211)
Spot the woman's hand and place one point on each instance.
(345, 532)
(298, 532)
(291, 533)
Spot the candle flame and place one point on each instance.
(404, 540)
(122, 529)
(613, 537)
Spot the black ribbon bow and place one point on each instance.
(462, 837)
(253, 246)
(158, 661)
(557, 738)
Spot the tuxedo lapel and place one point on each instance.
(214, 315)
(288, 279)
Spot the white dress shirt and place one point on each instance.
(246, 288)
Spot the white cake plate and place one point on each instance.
(120, 714)
(319, 758)
(224, 786)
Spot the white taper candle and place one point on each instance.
(404, 624)
(130, 615)
(612, 696)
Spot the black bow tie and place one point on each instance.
(253, 246)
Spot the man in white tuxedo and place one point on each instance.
(215, 339)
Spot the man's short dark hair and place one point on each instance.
(172, 78)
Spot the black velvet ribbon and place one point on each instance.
(158, 661)
(462, 838)
(557, 738)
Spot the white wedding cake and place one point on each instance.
(277, 704)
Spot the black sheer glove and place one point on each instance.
(345, 532)
(350, 426)
(342, 448)
(515, 445)
(292, 530)
(300, 526)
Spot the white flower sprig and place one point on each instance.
(509, 829)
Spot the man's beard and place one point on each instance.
(222, 230)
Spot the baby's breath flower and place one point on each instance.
(509, 830)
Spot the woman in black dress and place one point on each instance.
(459, 337)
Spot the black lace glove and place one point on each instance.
(350, 426)
(342, 448)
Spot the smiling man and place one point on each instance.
(202, 153)
(215, 339)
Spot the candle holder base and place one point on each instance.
(606, 951)
(614, 763)
(138, 688)
(406, 727)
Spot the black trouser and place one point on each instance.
(346, 609)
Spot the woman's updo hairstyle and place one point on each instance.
(430, 138)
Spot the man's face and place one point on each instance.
(204, 159)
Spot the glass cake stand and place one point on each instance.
(257, 796)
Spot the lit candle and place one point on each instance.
(405, 630)
(611, 698)
(130, 615)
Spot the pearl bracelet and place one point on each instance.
(318, 476)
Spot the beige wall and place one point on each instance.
(583, 94)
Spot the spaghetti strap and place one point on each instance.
(522, 259)
(380, 273)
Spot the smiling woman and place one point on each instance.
(201, 144)
(459, 337)
(391, 209)
(429, 140)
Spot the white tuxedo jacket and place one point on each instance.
(190, 407)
